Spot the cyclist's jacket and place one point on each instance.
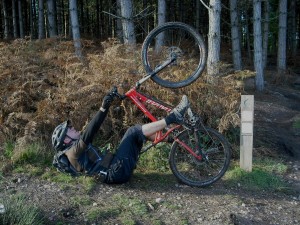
(82, 156)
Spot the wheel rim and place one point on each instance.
(200, 172)
(190, 56)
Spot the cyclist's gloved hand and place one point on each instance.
(107, 100)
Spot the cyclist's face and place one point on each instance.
(72, 135)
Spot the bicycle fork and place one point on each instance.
(192, 119)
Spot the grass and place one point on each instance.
(81, 201)
(18, 212)
(121, 208)
(156, 159)
(296, 124)
(8, 149)
(266, 175)
(35, 153)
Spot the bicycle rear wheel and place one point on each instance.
(214, 150)
(178, 40)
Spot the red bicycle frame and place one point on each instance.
(139, 99)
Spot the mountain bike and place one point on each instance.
(199, 155)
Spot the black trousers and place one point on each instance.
(125, 159)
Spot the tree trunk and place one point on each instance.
(292, 33)
(75, 27)
(145, 21)
(235, 37)
(81, 16)
(52, 18)
(14, 14)
(59, 13)
(281, 60)
(214, 38)
(4, 8)
(21, 26)
(119, 30)
(161, 16)
(266, 33)
(127, 22)
(87, 20)
(41, 20)
(97, 25)
(258, 64)
(248, 38)
(31, 18)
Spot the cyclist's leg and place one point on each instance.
(151, 128)
(125, 159)
(126, 156)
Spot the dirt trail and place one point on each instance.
(168, 203)
(276, 112)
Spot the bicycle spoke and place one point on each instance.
(215, 158)
(182, 43)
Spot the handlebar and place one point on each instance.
(115, 93)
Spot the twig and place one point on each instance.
(132, 18)
(204, 4)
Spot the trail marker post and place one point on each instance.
(246, 138)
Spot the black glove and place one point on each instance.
(107, 100)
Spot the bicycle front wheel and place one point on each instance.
(174, 40)
(214, 160)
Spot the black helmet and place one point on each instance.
(59, 135)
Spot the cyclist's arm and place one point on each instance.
(93, 126)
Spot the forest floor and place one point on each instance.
(159, 199)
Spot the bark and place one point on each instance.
(161, 16)
(59, 13)
(281, 60)
(75, 27)
(127, 22)
(145, 20)
(21, 26)
(119, 30)
(14, 14)
(214, 38)
(52, 23)
(97, 25)
(41, 25)
(292, 33)
(235, 37)
(258, 64)
(4, 9)
(248, 37)
(87, 20)
(31, 4)
(266, 33)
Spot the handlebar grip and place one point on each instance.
(114, 91)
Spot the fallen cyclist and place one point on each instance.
(76, 154)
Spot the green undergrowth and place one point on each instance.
(155, 159)
(296, 124)
(267, 174)
(15, 210)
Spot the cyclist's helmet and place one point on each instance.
(59, 135)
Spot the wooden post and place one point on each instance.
(246, 139)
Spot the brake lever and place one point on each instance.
(192, 117)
